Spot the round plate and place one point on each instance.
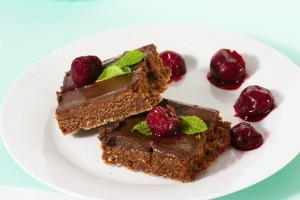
(73, 163)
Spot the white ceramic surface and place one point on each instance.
(73, 164)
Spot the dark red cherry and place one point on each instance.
(227, 68)
(254, 103)
(174, 61)
(245, 137)
(162, 121)
(85, 70)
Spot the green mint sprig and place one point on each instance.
(189, 125)
(142, 127)
(122, 66)
(192, 124)
(130, 58)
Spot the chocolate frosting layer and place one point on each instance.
(118, 134)
(95, 92)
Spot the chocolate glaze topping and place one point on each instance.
(99, 89)
(95, 92)
(118, 134)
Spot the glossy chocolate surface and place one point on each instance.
(95, 92)
(179, 146)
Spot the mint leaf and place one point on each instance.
(126, 70)
(130, 58)
(142, 127)
(113, 71)
(192, 124)
(122, 66)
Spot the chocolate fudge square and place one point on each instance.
(181, 157)
(116, 98)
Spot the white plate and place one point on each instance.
(73, 163)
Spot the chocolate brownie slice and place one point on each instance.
(116, 98)
(181, 157)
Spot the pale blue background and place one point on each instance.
(30, 29)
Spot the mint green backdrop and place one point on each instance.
(29, 29)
